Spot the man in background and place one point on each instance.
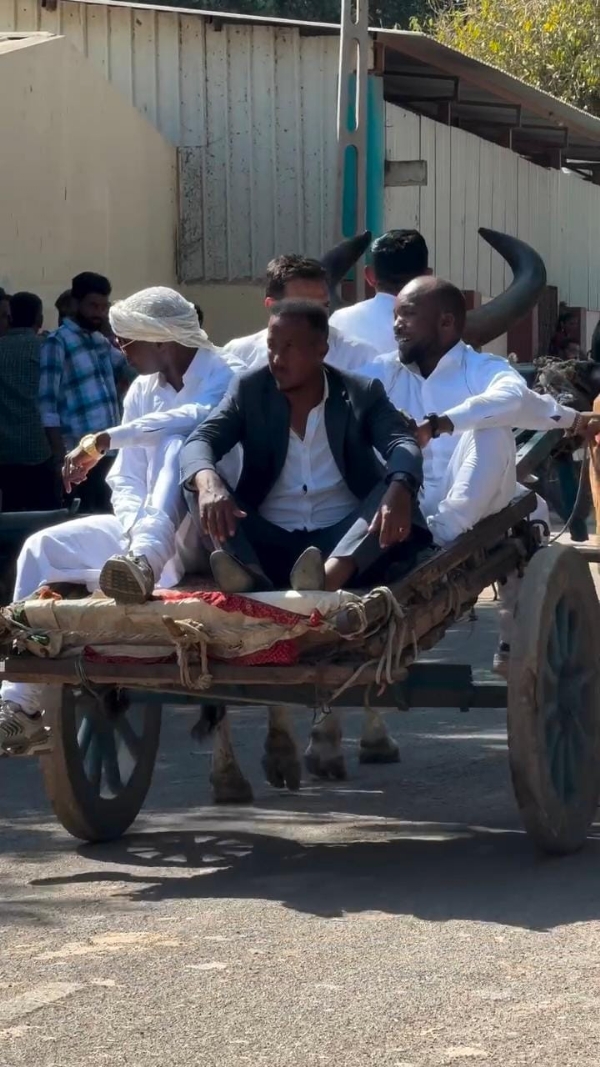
(65, 306)
(397, 257)
(29, 480)
(295, 277)
(81, 373)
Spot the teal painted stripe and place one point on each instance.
(375, 160)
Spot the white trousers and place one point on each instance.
(76, 551)
(480, 480)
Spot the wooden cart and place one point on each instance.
(105, 733)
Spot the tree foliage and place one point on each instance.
(552, 44)
(381, 12)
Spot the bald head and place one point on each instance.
(429, 317)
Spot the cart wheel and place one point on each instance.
(554, 700)
(100, 767)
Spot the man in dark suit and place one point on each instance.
(314, 507)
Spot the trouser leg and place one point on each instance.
(480, 481)
(153, 536)
(358, 544)
(71, 552)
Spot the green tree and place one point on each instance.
(552, 44)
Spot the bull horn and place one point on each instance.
(494, 318)
(339, 260)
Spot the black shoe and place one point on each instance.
(232, 576)
(308, 573)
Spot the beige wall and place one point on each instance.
(86, 182)
(229, 310)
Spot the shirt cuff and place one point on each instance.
(118, 436)
(51, 421)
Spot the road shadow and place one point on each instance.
(434, 872)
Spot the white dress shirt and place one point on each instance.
(371, 321)
(345, 353)
(310, 492)
(166, 412)
(476, 390)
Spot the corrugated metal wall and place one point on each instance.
(473, 183)
(260, 102)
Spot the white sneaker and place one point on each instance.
(21, 734)
(501, 659)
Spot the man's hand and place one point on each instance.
(393, 520)
(587, 425)
(219, 513)
(78, 463)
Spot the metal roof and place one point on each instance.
(422, 75)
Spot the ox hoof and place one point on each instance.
(231, 789)
(384, 751)
(322, 762)
(281, 764)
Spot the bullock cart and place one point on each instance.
(111, 669)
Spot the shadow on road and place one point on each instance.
(435, 872)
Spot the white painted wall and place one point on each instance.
(86, 183)
(260, 101)
(474, 183)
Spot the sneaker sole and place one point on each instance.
(30, 747)
(120, 582)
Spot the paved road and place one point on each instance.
(400, 919)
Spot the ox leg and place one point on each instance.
(324, 757)
(281, 760)
(228, 783)
(376, 744)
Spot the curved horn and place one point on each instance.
(493, 319)
(339, 260)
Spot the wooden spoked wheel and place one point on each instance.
(554, 700)
(103, 752)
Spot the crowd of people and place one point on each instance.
(319, 453)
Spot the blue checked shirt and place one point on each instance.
(78, 382)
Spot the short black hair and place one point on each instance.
(285, 269)
(314, 314)
(88, 282)
(398, 256)
(63, 300)
(25, 310)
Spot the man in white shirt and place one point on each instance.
(298, 278)
(147, 537)
(313, 507)
(467, 404)
(467, 393)
(397, 257)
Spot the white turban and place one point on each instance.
(158, 314)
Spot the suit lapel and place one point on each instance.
(278, 425)
(336, 419)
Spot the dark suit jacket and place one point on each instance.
(358, 417)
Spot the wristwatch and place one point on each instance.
(89, 446)
(434, 422)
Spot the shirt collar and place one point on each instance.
(20, 331)
(453, 356)
(384, 298)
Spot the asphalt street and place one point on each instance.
(398, 919)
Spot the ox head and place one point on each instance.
(483, 323)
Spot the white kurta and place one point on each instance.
(479, 392)
(150, 516)
(371, 321)
(345, 353)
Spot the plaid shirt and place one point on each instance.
(78, 391)
(22, 436)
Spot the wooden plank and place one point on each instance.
(472, 239)
(484, 252)
(427, 216)
(443, 206)
(458, 184)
